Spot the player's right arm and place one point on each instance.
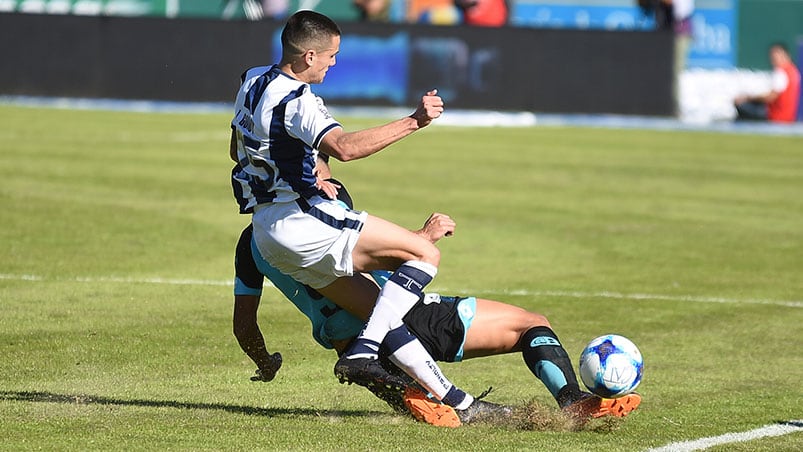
(247, 294)
(346, 146)
(250, 339)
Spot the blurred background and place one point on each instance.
(627, 57)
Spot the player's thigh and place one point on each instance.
(313, 247)
(383, 245)
(356, 294)
(497, 328)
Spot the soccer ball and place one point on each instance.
(611, 366)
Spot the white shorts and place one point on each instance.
(313, 247)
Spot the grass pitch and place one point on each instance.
(117, 241)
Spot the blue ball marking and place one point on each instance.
(604, 350)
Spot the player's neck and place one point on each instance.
(294, 70)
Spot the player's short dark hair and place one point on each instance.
(306, 30)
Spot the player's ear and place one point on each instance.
(309, 57)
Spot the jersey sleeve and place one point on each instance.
(309, 120)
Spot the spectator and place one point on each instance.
(373, 10)
(434, 12)
(258, 9)
(780, 103)
(682, 11)
(660, 10)
(483, 13)
(275, 9)
(674, 15)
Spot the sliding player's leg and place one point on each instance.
(502, 328)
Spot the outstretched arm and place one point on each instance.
(346, 146)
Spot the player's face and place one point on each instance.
(323, 59)
(776, 56)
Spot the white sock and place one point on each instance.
(414, 360)
(397, 297)
(409, 354)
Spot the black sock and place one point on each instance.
(548, 361)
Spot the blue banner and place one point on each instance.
(714, 29)
(714, 23)
(351, 78)
(607, 15)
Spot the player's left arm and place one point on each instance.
(322, 174)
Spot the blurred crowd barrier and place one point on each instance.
(566, 43)
(714, 20)
(505, 68)
(726, 33)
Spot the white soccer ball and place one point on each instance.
(611, 366)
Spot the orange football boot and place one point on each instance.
(594, 406)
(430, 411)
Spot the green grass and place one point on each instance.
(117, 238)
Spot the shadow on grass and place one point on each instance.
(84, 399)
(532, 416)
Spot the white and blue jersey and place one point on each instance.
(279, 124)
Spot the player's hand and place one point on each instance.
(268, 373)
(431, 107)
(437, 226)
(329, 188)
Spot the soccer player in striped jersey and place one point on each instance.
(278, 129)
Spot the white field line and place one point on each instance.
(644, 296)
(526, 293)
(782, 428)
(118, 279)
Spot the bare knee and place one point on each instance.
(533, 320)
(423, 251)
(527, 322)
(431, 255)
